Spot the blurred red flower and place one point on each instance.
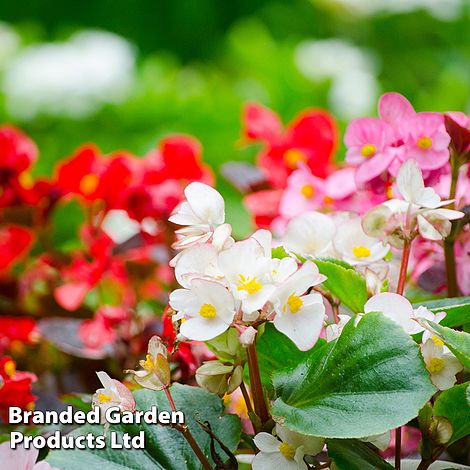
(311, 138)
(15, 241)
(15, 387)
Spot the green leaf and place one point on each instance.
(279, 252)
(457, 341)
(284, 354)
(453, 405)
(457, 309)
(66, 222)
(344, 283)
(165, 447)
(350, 454)
(368, 381)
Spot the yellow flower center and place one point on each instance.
(208, 311)
(26, 180)
(328, 200)
(295, 303)
(436, 364)
(148, 363)
(88, 184)
(307, 191)
(287, 450)
(424, 142)
(361, 251)
(103, 398)
(368, 150)
(437, 340)
(252, 286)
(292, 157)
(10, 368)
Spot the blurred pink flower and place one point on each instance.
(21, 459)
(370, 146)
(304, 192)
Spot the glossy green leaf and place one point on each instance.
(453, 405)
(276, 352)
(165, 447)
(350, 454)
(457, 309)
(457, 341)
(368, 381)
(344, 283)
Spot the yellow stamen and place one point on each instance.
(307, 191)
(102, 398)
(287, 450)
(295, 303)
(292, 157)
(437, 340)
(424, 142)
(208, 311)
(25, 180)
(30, 406)
(368, 150)
(9, 368)
(328, 200)
(435, 365)
(148, 363)
(88, 184)
(252, 286)
(361, 251)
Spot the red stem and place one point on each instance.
(400, 288)
(255, 383)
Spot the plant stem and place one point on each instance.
(405, 257)
(184, 430)
(255, 383)
(246, 397)
(449, 242)
(403, 267)
(398, 448)
(424, 464)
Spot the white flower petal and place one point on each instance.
(394, 306)
(410, 181)
(427, 230)
(309, 234)
(203, 329)
(206, 203)
(274, 461)
(184, 300)
(198, 260)
(213, 293)
(266, 442)
(304, 327)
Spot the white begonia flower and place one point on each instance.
(355, 247)
(423, 312)
(207, 307)
(247, 269)
(333, 330)
(419, 211)
(281, 269)
(300, 317)
(197, 262)
(397, 308)
(202, 212)
(285, 453)
(441, 364)
(310, 234)
(113, 394)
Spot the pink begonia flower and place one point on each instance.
(420, 136)
(21, 459)
(370, 146)
(342, 193)
(462, 252)
(304, 192)
(462, 194)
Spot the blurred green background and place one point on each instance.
(122, 74)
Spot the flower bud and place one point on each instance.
(217, 377)
(247, 338)
(156, 369)
(227, 345)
